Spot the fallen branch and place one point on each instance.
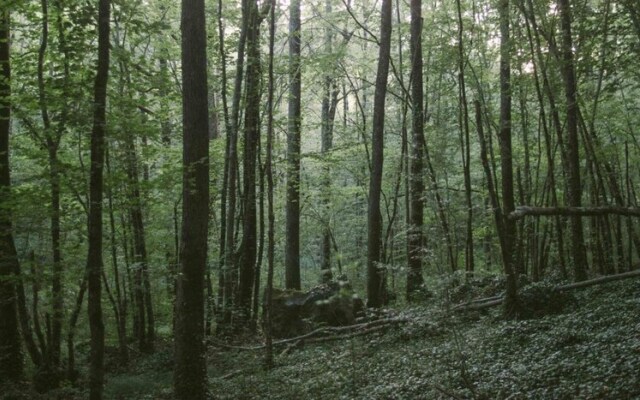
(523, 211)
(348, 335)
(231, 374)
(489, 302)
(477, 302)
(479, 305)
(337, 331)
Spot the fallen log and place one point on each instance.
(523, 211)
(478, 306)
(481, 304)
(602, 279)
(478, 301)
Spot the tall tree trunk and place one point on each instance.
(190, 371)
(540, 66)
(230, 271)
(506, 161)
(261, 234)
(578, 250)
(251, 132)
(292, 253)
(329, 103)
(414, 277)
(463, 121)
(486, 165)
(11, 358)
(270, 214)
(94, 258)
(52, 358)
(375, 274)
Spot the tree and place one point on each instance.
(573, 151)
(144, 310)
(506, 163)
(270, 214)
(229, 276)
(248, 247)
(375, 278)
(52, 143)
(465, 146)
(94, 258)
(414, 278)
(292, 253)
(190, 372)
(11, 359)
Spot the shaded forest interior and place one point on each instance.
(276, 181)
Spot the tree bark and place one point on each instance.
(375, 274)
(190, 371)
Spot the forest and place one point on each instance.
(323, 199)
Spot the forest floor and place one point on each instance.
(589, 351)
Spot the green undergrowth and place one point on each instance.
(589, 351)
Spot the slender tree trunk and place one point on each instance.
(540, 67)
(72, 373)
(416, 192)
(261, 234)
(230, 272)
(251, 132)
(506, 161)
(94, 258)
(292, 253)
(52, 357)
(375, 274)
(329, 103)
(121, 320)
(270, 214)
(190, 371)
(486, 165)
(464, 141)
(144, 307)
(25, 322)
(573, 152)
(225, 174)
(11, 358)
